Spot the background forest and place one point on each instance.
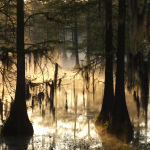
(76, 65)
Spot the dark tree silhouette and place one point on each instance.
(76, 41)
(108, 91)
(18, 122)
(88, 38)
(120, 118)
(20, 142)
(76, 37)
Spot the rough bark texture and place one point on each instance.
(120, 118)
(18, 122)
(108, 91)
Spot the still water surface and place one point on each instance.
(69, 122)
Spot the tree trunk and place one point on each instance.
(108, 91)
(18, 122)
(88, 38)
(120, 117)
(76, 39)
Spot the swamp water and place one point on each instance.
(68, 122)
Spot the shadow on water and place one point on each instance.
(14, 143)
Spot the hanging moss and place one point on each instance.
(41, 96)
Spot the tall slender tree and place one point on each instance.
(18, 122)
(76, 38)
(120, 117)
(108, 91)
(88, 38)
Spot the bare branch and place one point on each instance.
(5, 4)
(9, 19)
(45, 14)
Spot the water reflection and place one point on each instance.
(63, 116)
(70, 129)
(138, 84)
(14, 143)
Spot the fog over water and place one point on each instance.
(68, 122)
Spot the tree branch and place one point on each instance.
(9, 19)
(45, 14)
(5, 4)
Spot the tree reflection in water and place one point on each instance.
(15, 142)
(64, 118)
(61, 117)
